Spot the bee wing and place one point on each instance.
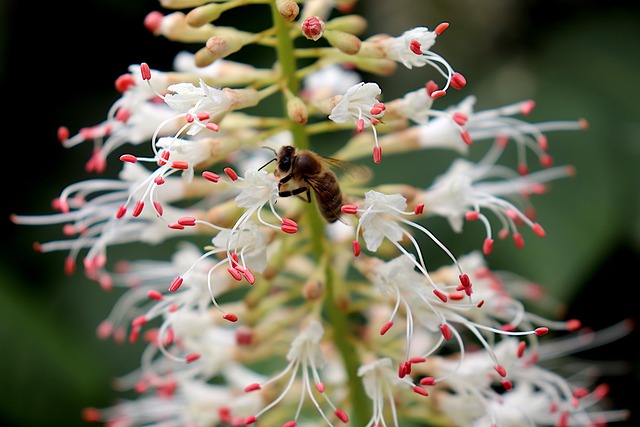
(326, 193)
(354, 170)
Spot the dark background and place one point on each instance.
(58, 62)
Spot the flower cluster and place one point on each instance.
(314, 300)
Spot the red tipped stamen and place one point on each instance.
(121, 211)
(537, 228)
(145, 71)
(137, 210)
(187, 221)
(63, 133)
(356, 248)
(154, 295)
(210, 176)
(415, 47)
(179, 164)
(230, 317)
(446, 332)
(342, 416)
(418, 209)
(518, 240)
(541, 331)
(129, 158)
(500, 370)
(349, 209)
(192, 357)
(235, 273)
(377, 154)
(438, 93)
(458, 81)
(419, 390)
(487, 246)
(466, 138)
(441, 27)
(440, 295)
(289, 226)
(252, 387)
(521, 348)
(385, 328)
(175, 285)
(231, 174)
(124, 82)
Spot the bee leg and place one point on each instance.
(295, 192)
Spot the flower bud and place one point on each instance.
(347, 43)
(204, 14)
(297, 110)
(312, 28)
(288, 9)
(354, 24)
(175, 28)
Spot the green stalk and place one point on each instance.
(360, 409)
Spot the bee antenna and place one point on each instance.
(272, 160)
(275, 153)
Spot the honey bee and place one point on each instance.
(306, 169)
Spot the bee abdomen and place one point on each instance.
(330, 202)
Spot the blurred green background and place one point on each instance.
(577, 59)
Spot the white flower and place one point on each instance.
(361, 106)
(305, 359)
(329, 81)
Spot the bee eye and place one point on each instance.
(285, 164)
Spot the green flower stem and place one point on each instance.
(321, 250)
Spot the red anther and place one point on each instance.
(472, 215)
(158, 180)
(124, 82)
(360, 125)
(290, 424)
(192, 357)
(176, 226)
(224, 413)
(153, 21)
(417, 360)
(464, 280)
(231, 174)
(459, 118)
(235, 273)
(418, 209)
(145, 71)
(158, 207)
(210, 176)
(580, 392)
(154, 295)
(508, 385)
(203, 115)
(189, 118)
(356, 248)
(523, 169)
(91, 415)
(415, 47)
(419, 390)
(349, 209)
(431, 87)
(234, 259)
(458, 81)
(441, 27)
(121, 211)
(104, 330)
(179, 164)
(521, 348)
(230, 317)
(601, 391)
(187, 221)
(63, 133)
(248, 275)
(175, 285)
(137, 210)
(446, 332)
(252, 387)
(507, 327)
(289, 226)
(342, 416)
(402, 370)
(438, 93)
(527, 106)
(465, 137)
(428, 381)
(164, 157)
(573, 325)
(537, 228)
(546, 161)
(487, 246)
(385, 328)
(541, 331)
(377, 154)
(376, 110)
(518, 240)
(320, 387)
(244, 336)
(122, 115)
(139, 321)
(440, 295)
(129, 158)
(312, 28)
(212, 126)
(501, 371)
(69, 266)
(250, 420)
(407, 368)
(456, 296)
(543, 142)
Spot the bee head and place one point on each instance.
(285, 158)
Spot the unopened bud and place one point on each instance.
(288, 9)
(204, 14)
(297, 111)
(347, 43)
(354, 24)
(312, 28)
(175, 28)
